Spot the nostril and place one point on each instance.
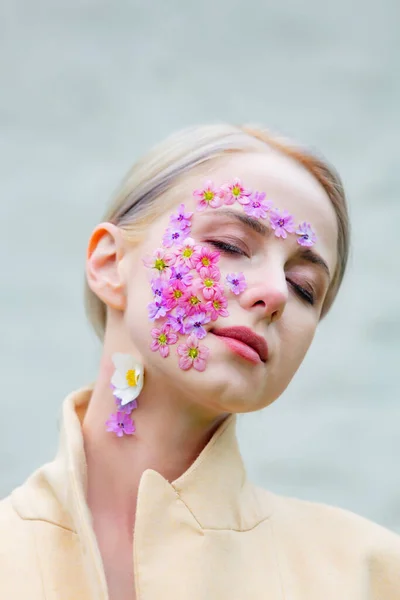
(260, 303)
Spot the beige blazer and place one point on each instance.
(209, 535)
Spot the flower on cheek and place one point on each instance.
(157, 309)
(208, 196)
(236, 192)
(162, 339)
(176, 321)
(217, 306)
(257, 206)
(174, 235)
(121, 424)
(236, 282)
(158, 285)
(282, 223)
(208, 283)
(307, 236)
(185, 254)
(181, 220)
(195, 323)
(192, 354)
(205, 257)
(161, 261)
(173, 294)
(181, 273)
(191, 302)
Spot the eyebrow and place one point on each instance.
(305, 253)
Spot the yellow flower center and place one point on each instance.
(236, 190)
(159, 264)
(187, 253)
(205, 261)
(194, 300)
(208, 282)
(131, 377)
(216, 304)
(162, 338)
(178, 293)
(193, 352)
(208, 195)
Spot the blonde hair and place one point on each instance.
(145, 192)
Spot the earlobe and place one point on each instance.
(104, 253)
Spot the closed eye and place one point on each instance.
(304, 294)
(227, 247)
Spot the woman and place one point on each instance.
(206, 281)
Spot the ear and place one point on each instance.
(104, 254)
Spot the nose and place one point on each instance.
(266, 296)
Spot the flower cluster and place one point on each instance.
(255, 205)
(126, 383)
(187, 289)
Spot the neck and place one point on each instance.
(171, 431)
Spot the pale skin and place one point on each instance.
(178, 411)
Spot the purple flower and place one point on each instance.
(257, 207)
(181, 220)
(176, 320)
(236, 282)
(157, 309)
(120, 423)
(181, 273)
(128, 408)
(195, 323)
(307, 236)
(281, 223)
(157, 286)
(173, 235)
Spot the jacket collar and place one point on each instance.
(215, 489)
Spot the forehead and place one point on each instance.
(286, 183)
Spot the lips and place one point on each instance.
(246, 336)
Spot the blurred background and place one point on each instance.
(86, 87)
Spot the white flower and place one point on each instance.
(128, 377)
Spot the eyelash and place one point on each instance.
(304, 294)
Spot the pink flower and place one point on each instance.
(192, 354)
(161, 261)
(281, 223)
(185, 254)
(208, 282)
(181, 220)
(176, 321)
(173, 294)
(307, 236)
(162, 338)
(120, 423)
(191, 303)
(173, 235)
(236, 282)
(208, 196)
(205, 257)
(235, 192)
(181, 273)
(157, 309)
(257, 206)
(217, 306)
(195, 323)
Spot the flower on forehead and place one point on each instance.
(182, 219)
(192, 354)
(174, 235)
(235, 192)
(161, 261)
(173, 293)
(205, 257)
(181, 273)
(158, 285)
(162, 339)
(194, 324)
(282, 223)
(236, 282)
(185, 253)
(257, 206)
(176, 320)
(157, 309)
(191, 302)
(208, 282)
(209, 195)
(127, 379)
(121, 424)
(307, 235)
(217, 306)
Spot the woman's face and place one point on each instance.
(286, 284)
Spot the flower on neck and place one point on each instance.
(127, 379)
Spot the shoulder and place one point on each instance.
(340, 537)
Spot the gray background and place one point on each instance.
(86, 87)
